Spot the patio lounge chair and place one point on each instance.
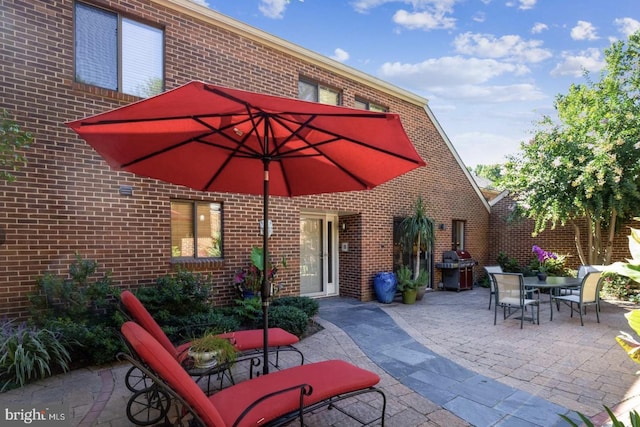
(268, 400)
(510, 293)
(589, 294)
(248, 343)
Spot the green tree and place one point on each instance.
(12, 140)
(490, 172)
(587, 163)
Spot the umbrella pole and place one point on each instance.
(266, 291)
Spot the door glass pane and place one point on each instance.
(311, 278)
(96, 47)
(142, 52)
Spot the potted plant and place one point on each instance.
(417, 237)
(407, 285)
(423, 282)
(211, 350)
(248, 280)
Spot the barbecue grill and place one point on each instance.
(457, 270)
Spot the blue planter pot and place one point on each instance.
(384, 286)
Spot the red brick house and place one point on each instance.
(61, 60)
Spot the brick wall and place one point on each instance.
(515, 238)
(66, 200)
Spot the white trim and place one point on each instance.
(499, 197)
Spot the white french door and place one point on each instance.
(318, 254)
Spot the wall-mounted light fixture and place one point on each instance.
(442, 226)
(343, 226)
(125, 190)
(269, 228)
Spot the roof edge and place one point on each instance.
(203, 13)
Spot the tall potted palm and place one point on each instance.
(417, 234)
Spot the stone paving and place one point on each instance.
(442, 362)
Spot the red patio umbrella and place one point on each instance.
(212, 138)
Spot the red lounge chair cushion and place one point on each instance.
(166, 366)
(253, 339)
(329, 378)
(144, 319)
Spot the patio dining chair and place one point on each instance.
(582, 271)
(510, 294)
(273, 399)
(490, 269)
(589, 294)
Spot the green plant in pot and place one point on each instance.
(417, 238)
(211, 350)
(408, 286)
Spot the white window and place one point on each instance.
(310, 91)
(132, 63)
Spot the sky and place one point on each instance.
(490, 69)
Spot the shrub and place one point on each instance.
(177, 296)
(289, 318)
(82, 309)
(509, 265)
(306, 304)
(619, 286)
(27, 352)
(248, 311)
(199, 324)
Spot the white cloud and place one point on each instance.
(201, 2)
(483, 148)
(539, 27)
(273, 8)
(510, 47)
(490, 93)
(584, 31)
(575, 65)
(423, 20)
(340, 55)
(522, 4)
(527, 4)
(447, 71)
(627, 26)
(479, 17)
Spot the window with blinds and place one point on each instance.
(118, 53)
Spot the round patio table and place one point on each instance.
(554, 284)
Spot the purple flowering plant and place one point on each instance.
(545, 258)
